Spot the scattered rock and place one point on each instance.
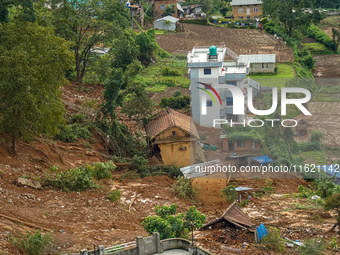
(28, 195)
(91, 153)
(29, 183)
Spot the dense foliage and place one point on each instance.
(31, 75)
(322, 37)
(34, 243)
(169, 225)
(81, 178)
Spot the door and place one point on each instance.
(231, 146)
(248, 11)
(253, 146)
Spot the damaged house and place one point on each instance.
(172, 136)
(233, 217)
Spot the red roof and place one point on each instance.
(170, 118)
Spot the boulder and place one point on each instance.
(29, 183)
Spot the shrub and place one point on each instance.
(139, 163)
(34, 243)
(130, 175)
(180, 102)
(166, 71)
(171, 170)
(322, 37)
(102, 170)
(312, 247)
(78, 118)
(244, 203)
(304, 192)
(182, 187)
(177, 93)
(195, 21)
(77, 179)
(114, 196)
(274, 241)
(230, 193)
(71, 133)
(90, 78)
(307, 61)
(169, 225)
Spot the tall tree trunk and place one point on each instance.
(78, 63)
(14, 146)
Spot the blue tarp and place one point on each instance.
(261, 232)
(263, 159)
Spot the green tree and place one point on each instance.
(87, 24)
(138, 106)
(32, 64)
(230, 193)
(331, 203)
(291, 13)
(169, 225)
(207, 5)
(147, 45)
(169, 10)
(28, 13)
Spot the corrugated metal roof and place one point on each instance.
(168, 18)
(233, 215)
(245, 2)
(190, 171)
(179, 7)
(261, 58)
(242, 188)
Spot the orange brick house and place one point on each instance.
(158, 7)
(246, 9)
(247, 146)
(172, 136)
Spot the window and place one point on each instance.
(209, 103)
(248, 18)
(240, 10)
(240, 144)
(207, 71)
(173, 133)
(256, 10)
(162, 6)
(230, 101)
(231, 83)
(240, 17)
(265, 65)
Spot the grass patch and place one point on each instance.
(279, 79)
(157, 78)
(314, 156)
(331, 21)
(306, 207)
(160, 32)
(317, 48)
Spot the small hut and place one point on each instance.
(233, 217)
(167, 23)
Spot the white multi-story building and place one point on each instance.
(207, 65)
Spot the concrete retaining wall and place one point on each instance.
(153, 244)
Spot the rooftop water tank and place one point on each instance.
(213, 51)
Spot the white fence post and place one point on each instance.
(140, 245)
(101, 249)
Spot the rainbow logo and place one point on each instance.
(209, 93)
